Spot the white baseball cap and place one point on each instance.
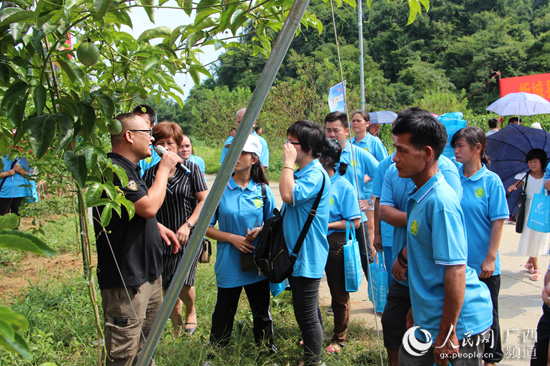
(253, 145)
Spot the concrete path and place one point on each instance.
(519, 301)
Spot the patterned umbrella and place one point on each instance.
(382, 117)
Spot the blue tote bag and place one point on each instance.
(378, 284)
(539, 214)
(352, 260)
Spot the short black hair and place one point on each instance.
(145, 109)
(492, 122)
(425, 130)
(310, 135)
(335, 116)
(513, 120)
(537, 154)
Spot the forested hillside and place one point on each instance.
(445, 60)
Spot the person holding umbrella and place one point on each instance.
(485, 209)
(532, 243)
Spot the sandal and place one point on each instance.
(535, 276)
(191, 330)
(529, 266)
(334, 348)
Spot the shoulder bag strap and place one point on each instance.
(310, 217)
(526, 179)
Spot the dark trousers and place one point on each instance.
(305, 300)
(493, 349)
(226, 307)
(336, 279)
(539, 356)
(394, 317)
(364, 247)
(8, 205)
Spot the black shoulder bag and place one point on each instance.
(520, 217)
(271, 254)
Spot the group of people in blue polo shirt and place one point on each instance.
(447, 225)
(439, 228)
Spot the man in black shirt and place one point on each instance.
(130, 250)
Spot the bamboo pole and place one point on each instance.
(252, 111)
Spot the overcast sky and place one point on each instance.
(170, 18)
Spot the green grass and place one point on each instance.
(62, 326)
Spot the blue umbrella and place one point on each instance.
(382, 117)
(507, 150)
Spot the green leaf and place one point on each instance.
(14, 318)
(9, 221)
(159, 32)
(110, 190)
(40, 96)
(67, 69)
(6, 330)
(93, 193)
(18, 345)
(106, 214)
(130, 208)
(87, 118)
(41, 134)
(15, 101)
(101, 6)
(152, 61)
(121, 173)
(149, 9)
(15, 15)
(188, 7)
(15, 239)
(76, 164)
(66, 128)
(106, 104)
(169, 51)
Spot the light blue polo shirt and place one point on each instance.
(313, 255)
(378, 181)
(483, 201)
(436, 238)
(547, 174)
(16, 185)
(239, 210)
(373, 145)
(395, 193)
(344, 204)
(146, 163)
(450, 172)
(226, 145)
(198, 160)
(364, 163)
(264, 156)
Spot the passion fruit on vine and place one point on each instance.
(115, 127)
(87, 53)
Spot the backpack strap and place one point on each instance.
(309, 220)
(264, 193)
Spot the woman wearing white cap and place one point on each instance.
(246, 203)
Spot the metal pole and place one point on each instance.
(255, 104)
(361, 59)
